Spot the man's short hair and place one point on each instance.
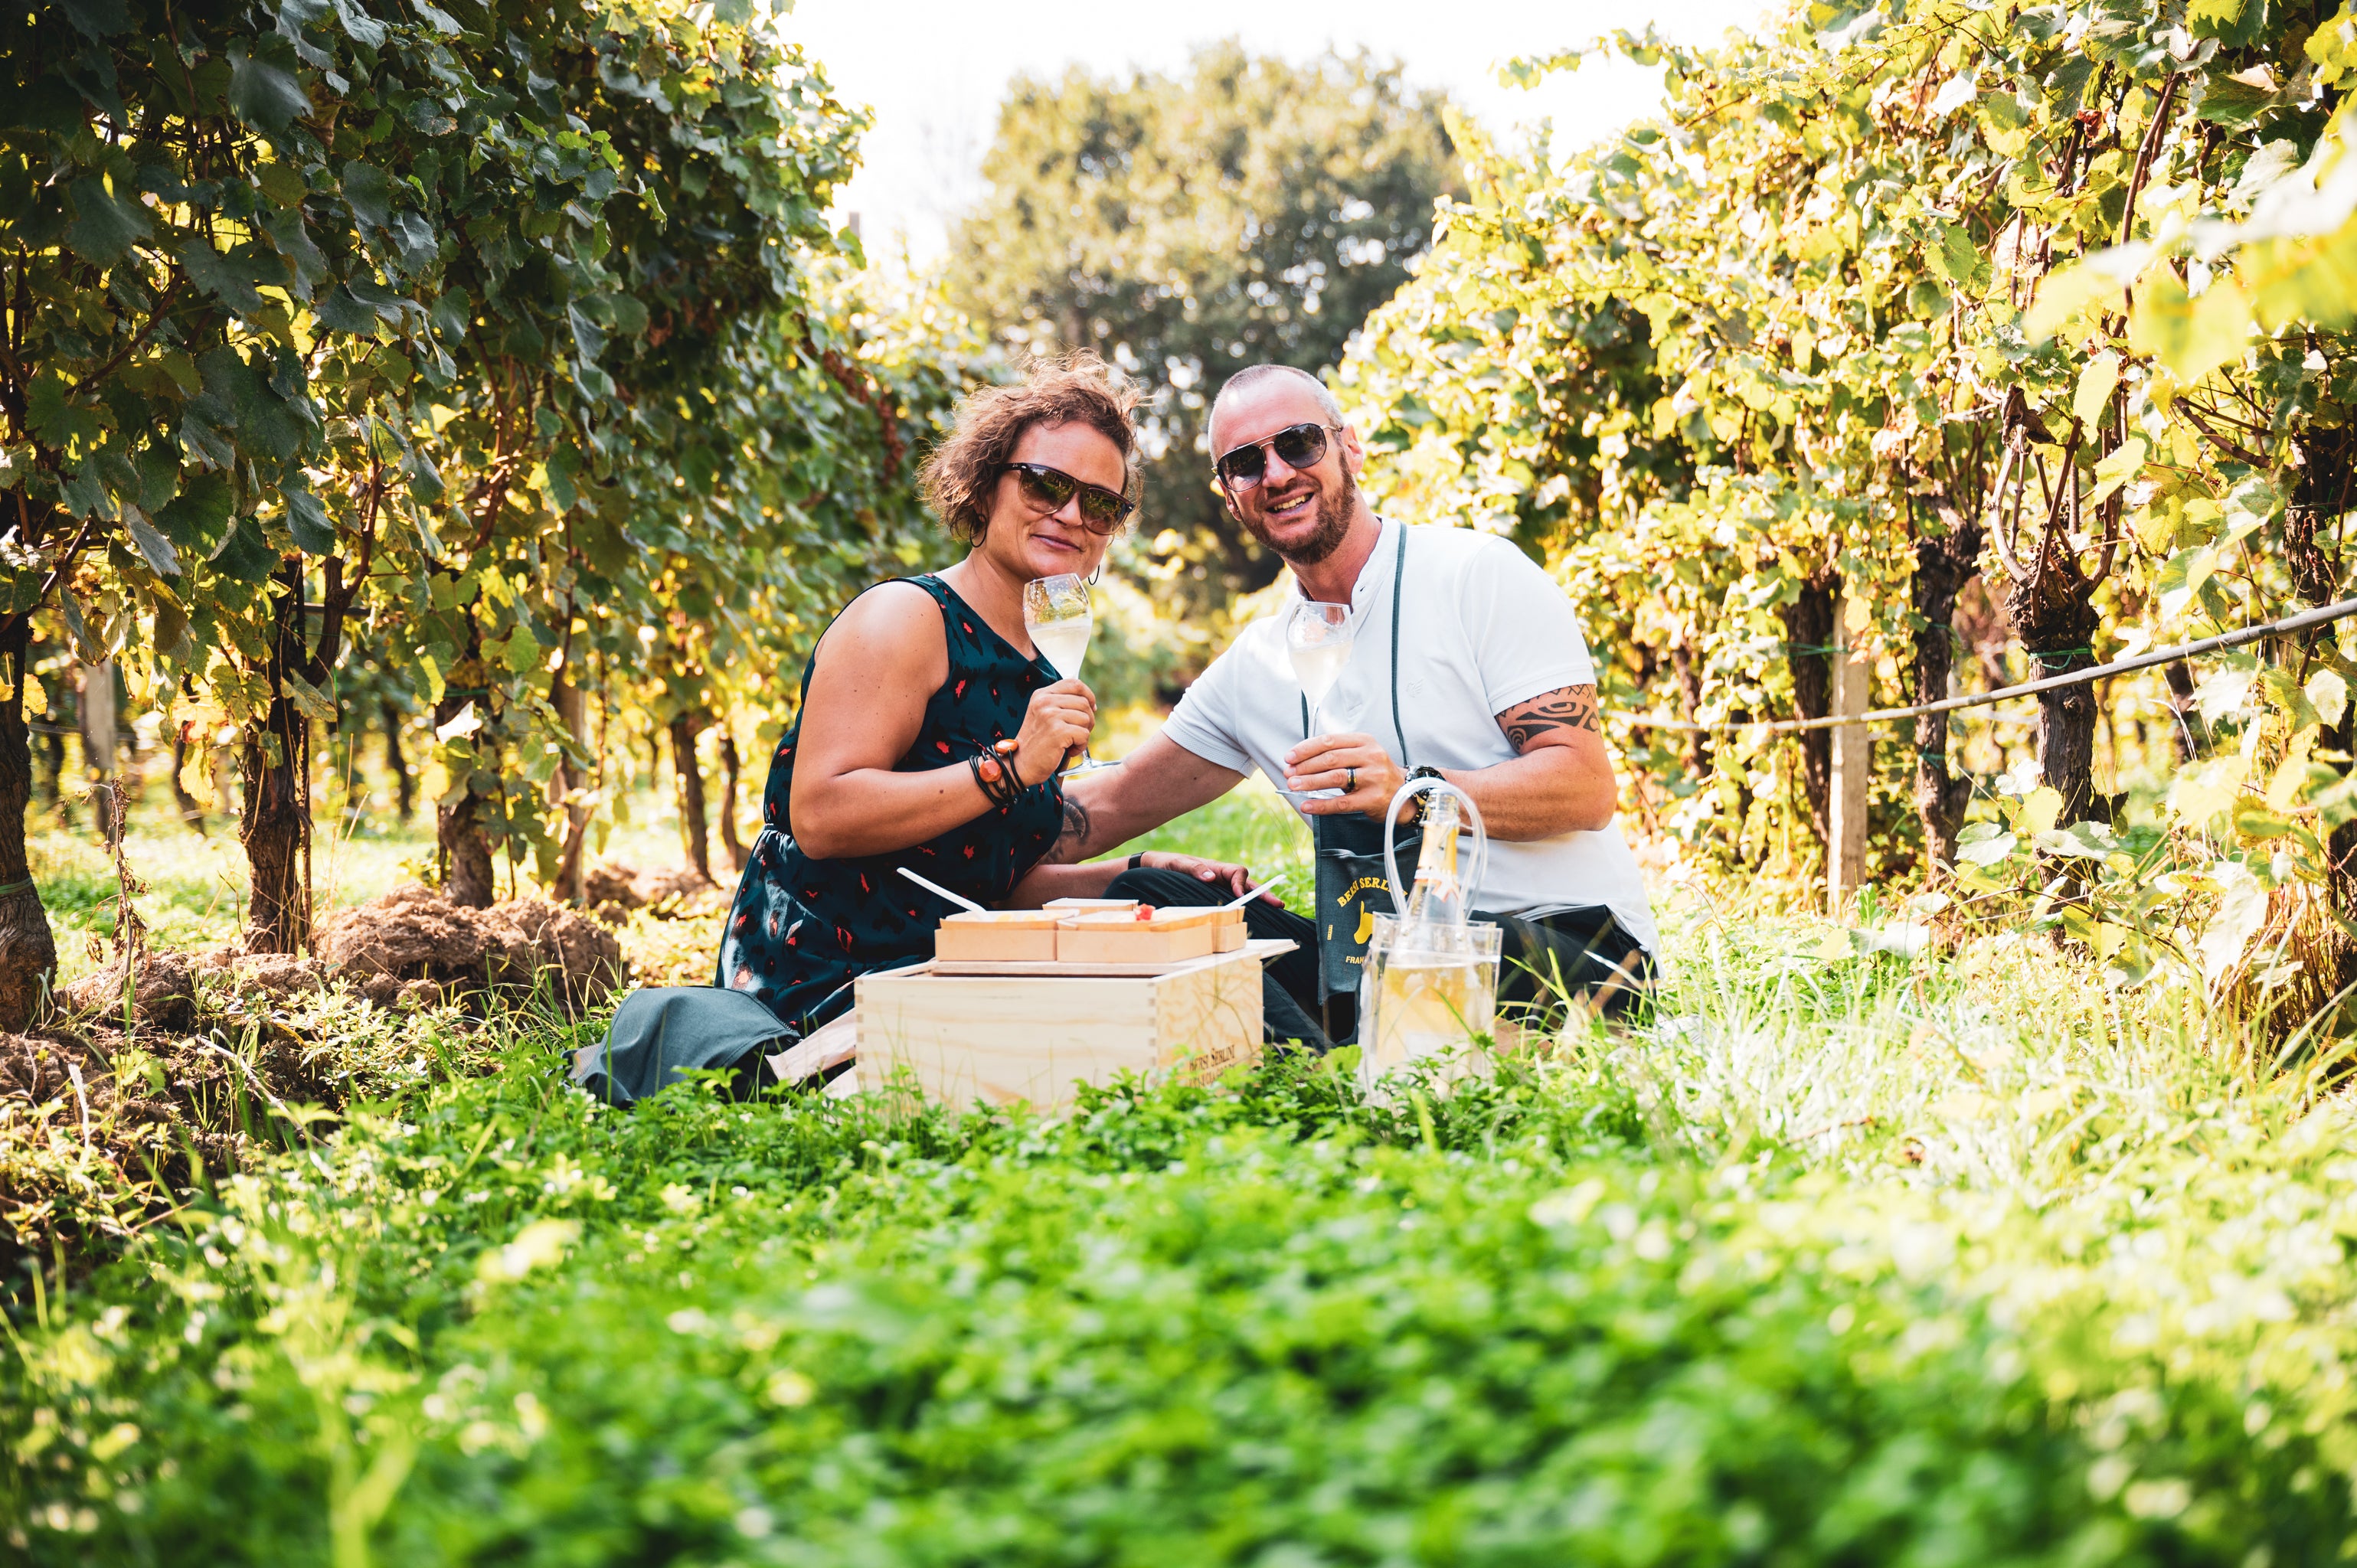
(1251, 376)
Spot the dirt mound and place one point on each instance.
(413, 934)
(163, 991)
(680, 890)
(279, 976)
(98, 1134)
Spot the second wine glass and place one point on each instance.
(1056, 613)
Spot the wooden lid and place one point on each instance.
(1171, 919)
(1013, 920)
(1090, 906)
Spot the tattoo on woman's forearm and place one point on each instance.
(1073, 840)
(1565, 708)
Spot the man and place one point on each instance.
(1468, 661)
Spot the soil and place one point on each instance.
(413, 934)
(164, 996)
(161, 1119)
(676, 892)
(219, 1042)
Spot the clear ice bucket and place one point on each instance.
(1430, 1000)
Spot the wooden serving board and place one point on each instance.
(1263, 950)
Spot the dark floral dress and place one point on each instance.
(801, 928)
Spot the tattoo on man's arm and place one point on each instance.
(1565, 708)
(1073, 840)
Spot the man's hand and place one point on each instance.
(1236, 879)
(1355, 764)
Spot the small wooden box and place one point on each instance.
(1115, 937)
(998, 934)
(1003, 1038)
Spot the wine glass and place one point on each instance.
(1056, 613)
(1318, 637)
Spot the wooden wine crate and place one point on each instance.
(958, 1038)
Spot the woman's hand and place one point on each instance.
(1236, 879)
(1056, 724)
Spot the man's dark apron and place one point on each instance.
(1353, 888)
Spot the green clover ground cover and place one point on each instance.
(2058, 1288)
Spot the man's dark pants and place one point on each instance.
(1572, 954)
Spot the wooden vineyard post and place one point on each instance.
(1853, 759)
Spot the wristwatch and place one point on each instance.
(1412, 774)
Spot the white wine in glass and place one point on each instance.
(1318, 637)
(1056, 613)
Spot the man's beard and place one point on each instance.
(1334, 512)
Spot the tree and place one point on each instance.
(1184, 225)
(2060, 294)
(316, 313)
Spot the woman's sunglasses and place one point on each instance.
(1301, 447)
(1049, 488)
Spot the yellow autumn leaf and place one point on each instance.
(2205, 789)
(197, 778)
(2065, 293)
(2097, 381)
(2040, 810)
(2190, 337)
(2284, 791)
(2328, 693)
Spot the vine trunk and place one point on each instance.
(277, 825)
(28, 951)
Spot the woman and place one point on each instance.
(897, 756)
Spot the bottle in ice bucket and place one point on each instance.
(1430, 984)
(1438, 898)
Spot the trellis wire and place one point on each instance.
(2324, 616)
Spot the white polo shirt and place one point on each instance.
(1481, 628)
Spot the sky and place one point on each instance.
(934, 71)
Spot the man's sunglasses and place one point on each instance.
(1049, 488)
(1301, 447)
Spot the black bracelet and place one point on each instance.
(999, 791)
(1138, 859)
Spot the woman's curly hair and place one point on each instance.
(960, 474)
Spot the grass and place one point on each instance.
(1849, 1258)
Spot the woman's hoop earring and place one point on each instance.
(1098, 576)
